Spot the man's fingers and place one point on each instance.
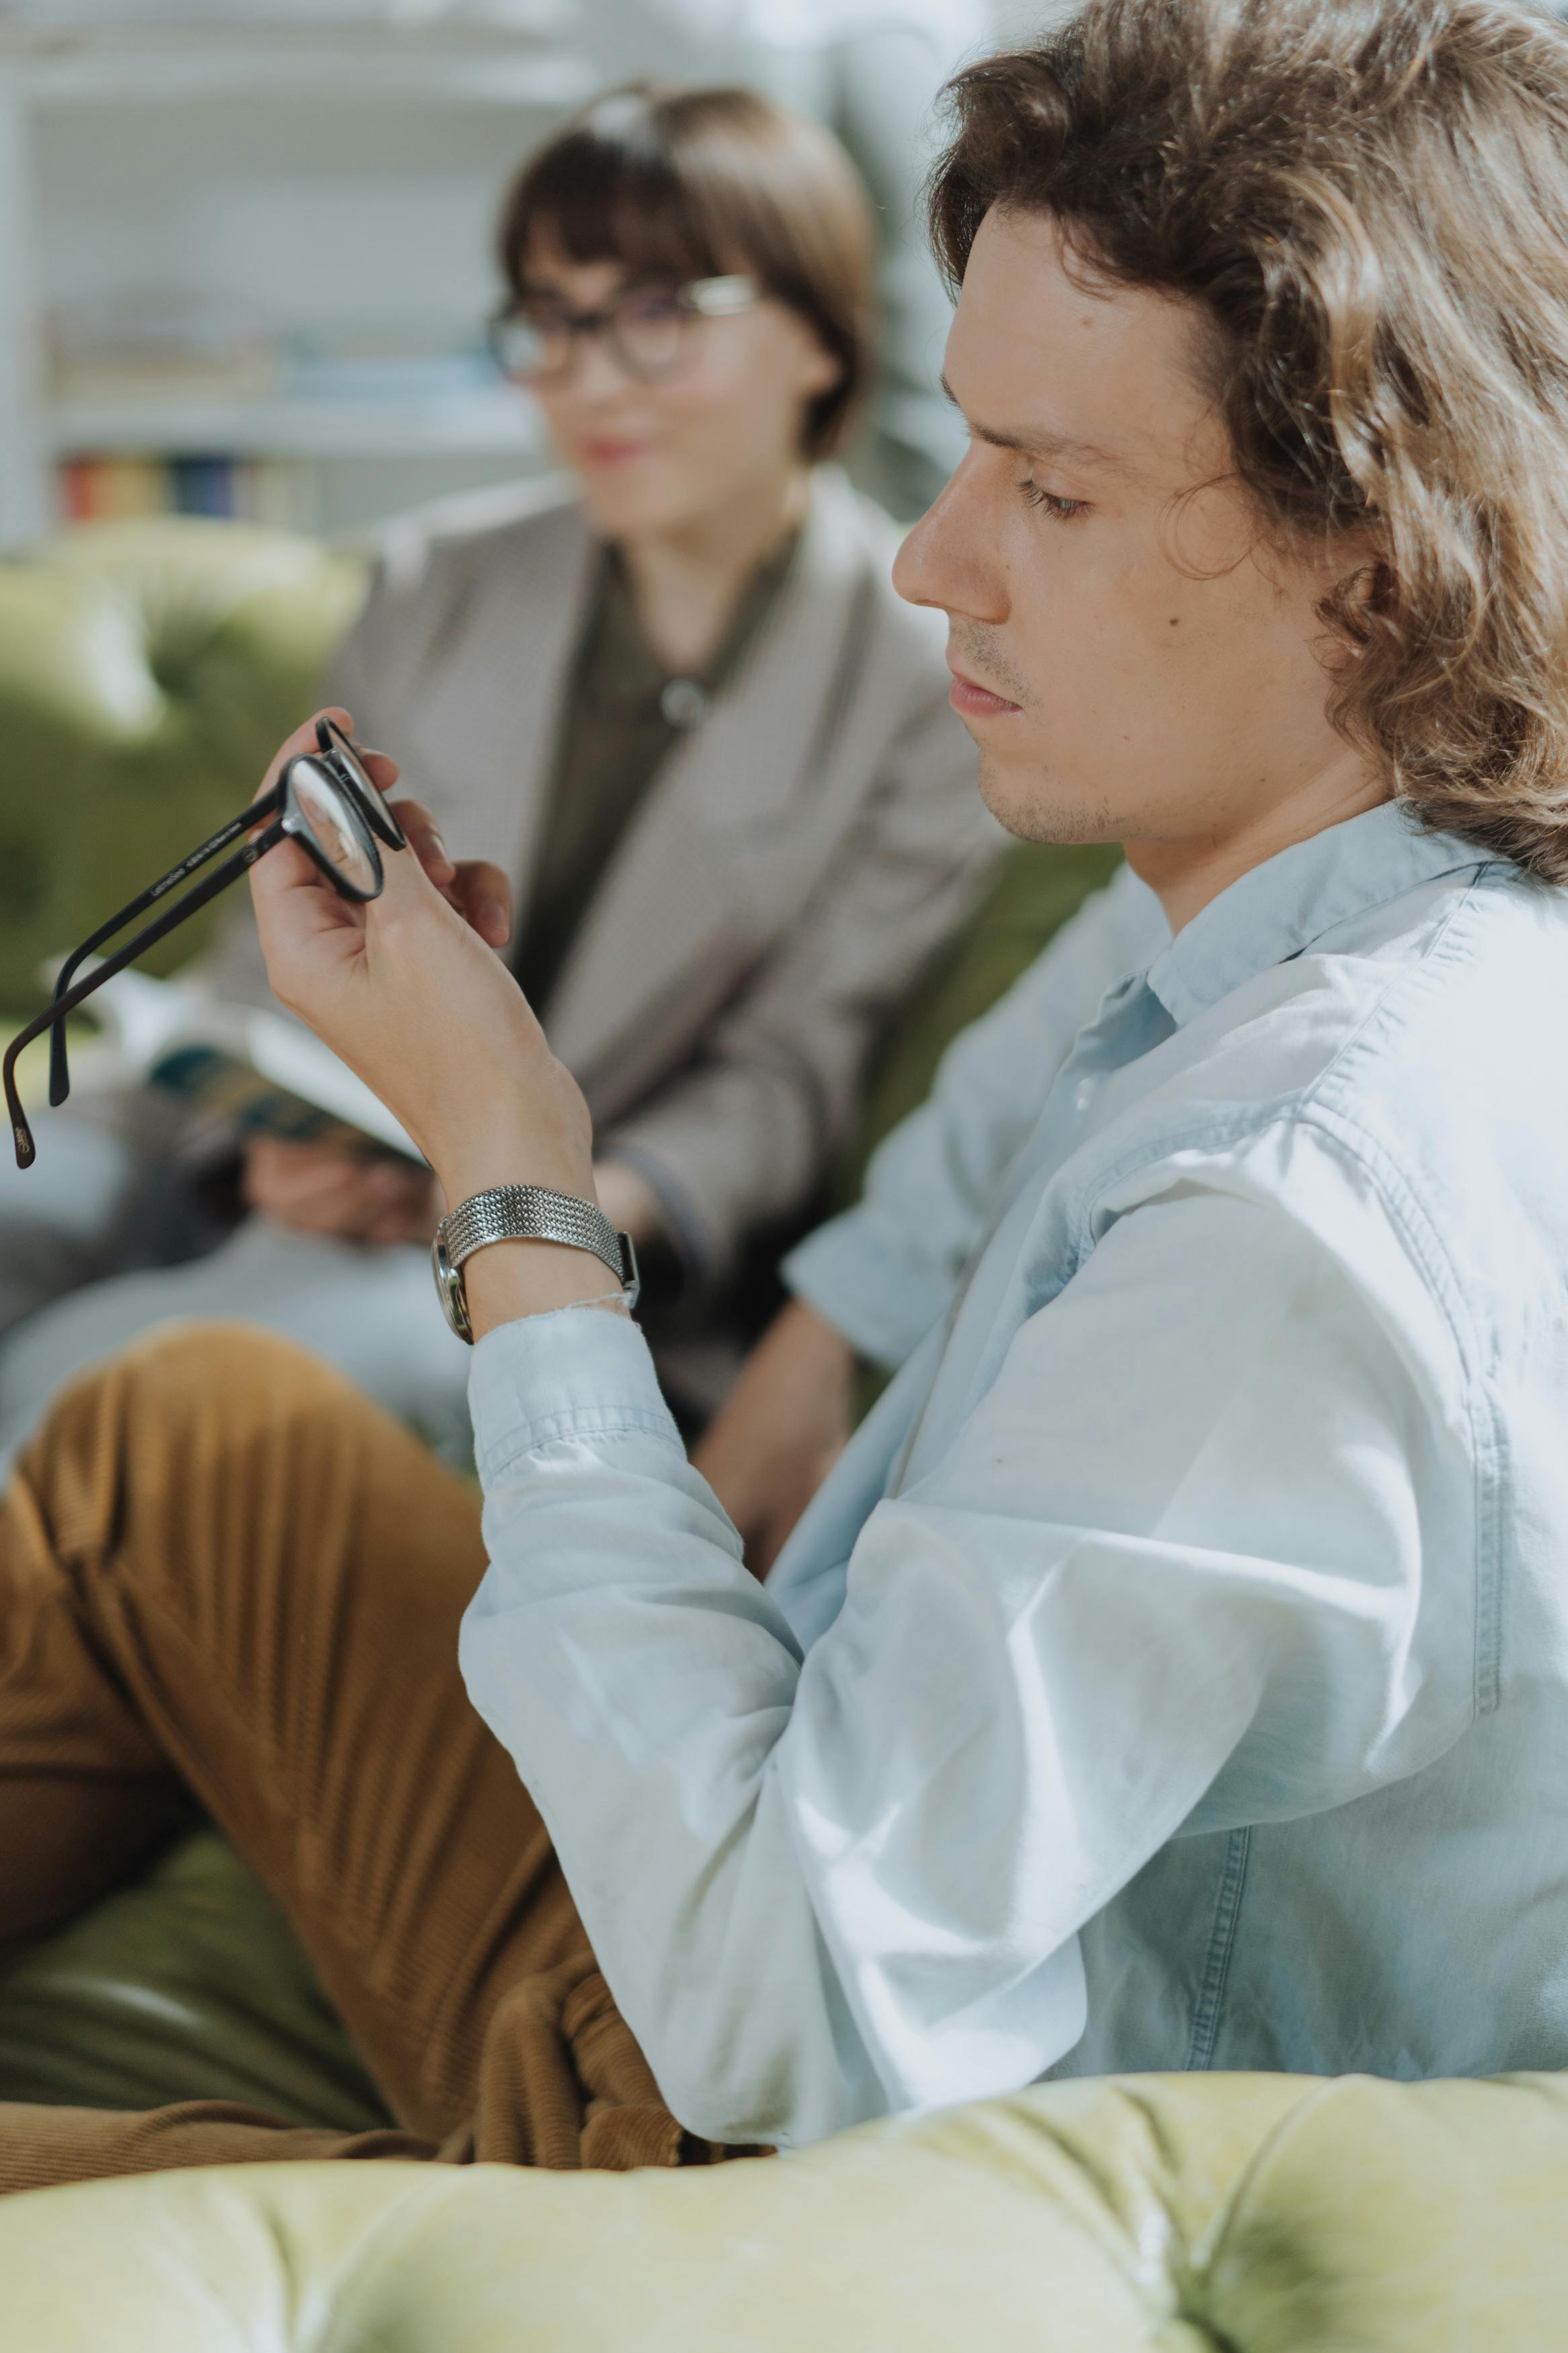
(293, 900)
(303, 739)
(380, 767)
(483, 896)
(424, 837)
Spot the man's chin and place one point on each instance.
(1039, 809)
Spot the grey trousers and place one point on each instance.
(94, 1243)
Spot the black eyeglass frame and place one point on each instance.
(336, 755)
(700, 298)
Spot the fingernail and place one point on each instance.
(493, 918)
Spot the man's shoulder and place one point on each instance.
(1415, 1047)
(1455, 995)
(1457, 967)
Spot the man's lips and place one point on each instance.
(972, 701)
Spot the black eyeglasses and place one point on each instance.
(325, 800)
(645, 328)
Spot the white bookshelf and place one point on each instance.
(311, 172)
(362, 63)
(498, 425)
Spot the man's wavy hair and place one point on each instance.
(1370, 200)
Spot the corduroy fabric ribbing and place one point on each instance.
(225, 1577)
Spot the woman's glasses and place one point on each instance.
(644, 328)
(325, 800)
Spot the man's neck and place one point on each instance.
(686, 583)
(1185, 875)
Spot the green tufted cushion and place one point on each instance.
(187, 1986)
(147, 670)
(1141, 2214)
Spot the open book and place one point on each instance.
(233, 1063)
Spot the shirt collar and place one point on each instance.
(1281, 907)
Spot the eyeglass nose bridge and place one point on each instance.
(578, 329)
(574, 330)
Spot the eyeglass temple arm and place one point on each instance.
(60, 1070)
(62, 1005)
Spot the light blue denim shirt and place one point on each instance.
(1173, 1672)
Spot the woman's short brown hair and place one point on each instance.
(1370, 200)
(684, 184)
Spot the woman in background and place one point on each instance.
(673, 694)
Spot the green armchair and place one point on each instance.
(1156, 2214)
(148, 671)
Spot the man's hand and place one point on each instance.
(409, 992)
(315, 1188)
(783, 1427)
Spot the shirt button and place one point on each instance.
(683, 702)
(1083, 1093)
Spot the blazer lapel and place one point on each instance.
(492, 706)
(674, 892)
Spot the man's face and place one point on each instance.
(1133, 661)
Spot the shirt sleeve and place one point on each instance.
(1203, 1554)
(886, 1271)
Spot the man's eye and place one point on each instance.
(1063, 508)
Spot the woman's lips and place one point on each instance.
(609, 452)
(971, 701)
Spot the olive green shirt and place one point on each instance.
(624, 709)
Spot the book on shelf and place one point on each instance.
(145, 352)
(108, 487)
(234, 1066)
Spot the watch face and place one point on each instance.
(450, 1290)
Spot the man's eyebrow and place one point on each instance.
(1040, 441)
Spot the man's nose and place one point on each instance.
(948, 558)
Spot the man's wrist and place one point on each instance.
(510, 1279)
(517, 1158)
(506, 1281)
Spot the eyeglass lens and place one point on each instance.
(336, 745)
(645, 331)
(334, 826)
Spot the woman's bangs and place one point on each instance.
(591, 204)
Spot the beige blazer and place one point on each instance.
(796, 861)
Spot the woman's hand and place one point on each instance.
(628, 1201)
(780, 1430)
(410, 992)
(319, 1188)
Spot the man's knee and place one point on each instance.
(180, 1395)
(185, 1368)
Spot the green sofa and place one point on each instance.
(146, 670)
(1161, 2214)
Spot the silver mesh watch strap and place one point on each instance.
(525, 1213)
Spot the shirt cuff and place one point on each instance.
(854, 1273)
(579, 1373)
